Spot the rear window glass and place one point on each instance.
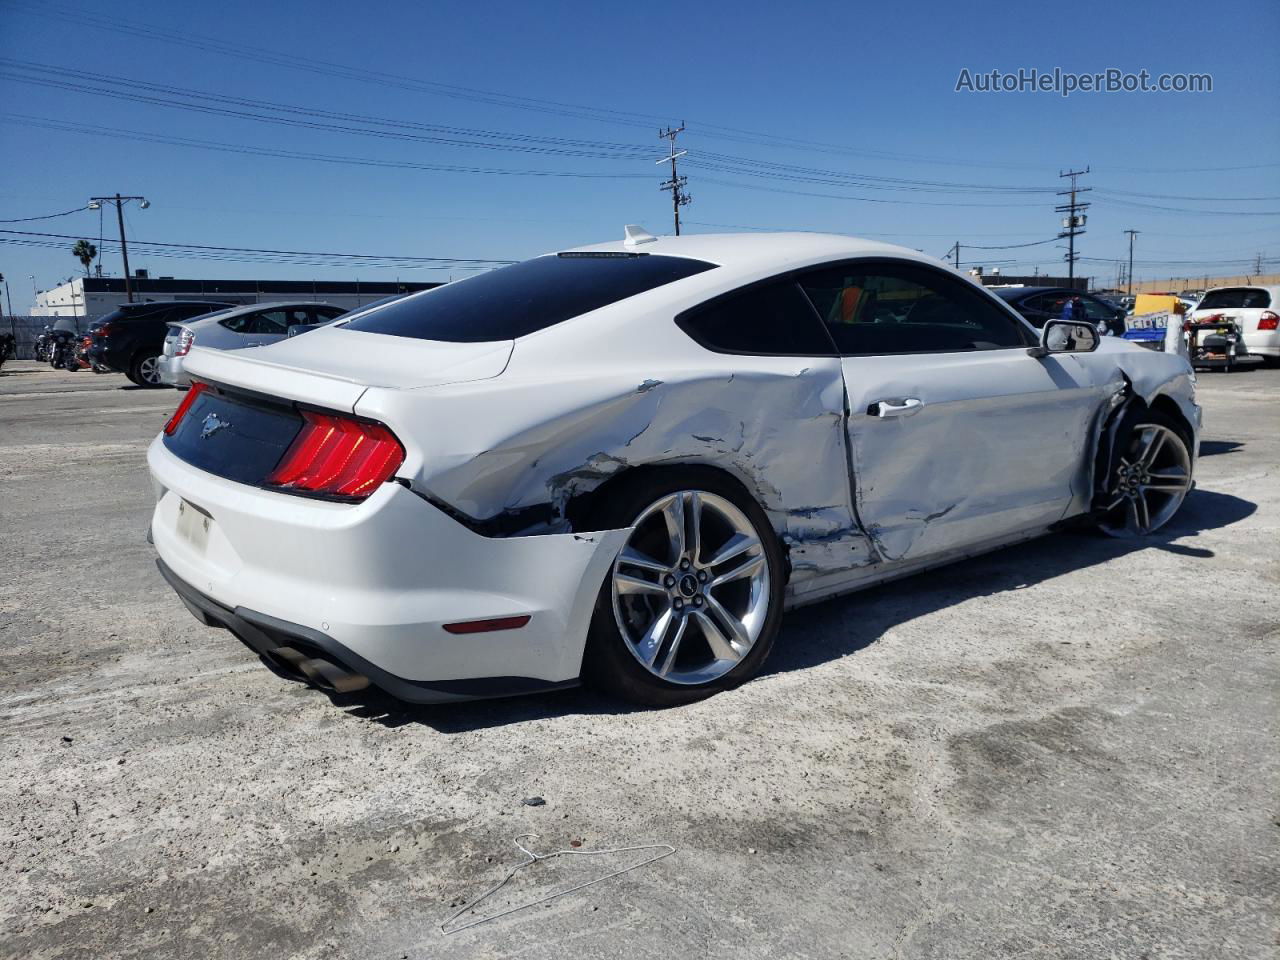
(1235, 298)
(513, 301)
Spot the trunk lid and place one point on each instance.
(331, 367)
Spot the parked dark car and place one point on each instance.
(131, 337)
(1040, 304)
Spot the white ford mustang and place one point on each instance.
(622, 462)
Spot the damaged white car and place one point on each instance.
(623, 462)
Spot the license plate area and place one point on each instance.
(194, 525)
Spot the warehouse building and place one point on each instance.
(87, 298)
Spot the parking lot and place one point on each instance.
(1066, 749)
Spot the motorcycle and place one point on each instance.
(62, 350)
(43, 344)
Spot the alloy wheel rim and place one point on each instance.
(691, 587)
(1149, 483)
(149, 370)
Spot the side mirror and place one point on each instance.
(1066, 336)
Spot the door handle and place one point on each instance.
(895, 408)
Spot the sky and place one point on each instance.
(503, 130)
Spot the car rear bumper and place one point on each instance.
(171, 372)
(375, 583)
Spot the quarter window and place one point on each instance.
(883, 307)
(773, 319)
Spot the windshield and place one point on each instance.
(513, 301)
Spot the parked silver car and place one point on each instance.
(255, 325)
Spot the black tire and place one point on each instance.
(140, 363)
(608, 664)
(1134, 421)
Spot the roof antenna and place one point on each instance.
(633, 236)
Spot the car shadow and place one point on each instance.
(1211, 448)
(843, 626)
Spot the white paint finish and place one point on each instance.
(999, 447)
(383, 576)
(333, 368)
(993, 445)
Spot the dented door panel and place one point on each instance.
(991, 443)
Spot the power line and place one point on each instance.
(135, 135)
(46, 216)
(398, 258)
(248, 108)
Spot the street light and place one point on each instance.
(95, 203)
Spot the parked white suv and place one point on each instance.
(1255, 310)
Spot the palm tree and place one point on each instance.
(84, 251)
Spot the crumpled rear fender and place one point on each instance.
(527, 448)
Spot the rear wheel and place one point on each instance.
(692, 604)
(1150, 479)
(145, 370)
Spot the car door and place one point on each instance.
(958, 436)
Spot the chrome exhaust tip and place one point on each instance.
(322, 673)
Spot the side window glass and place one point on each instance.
(1097, 310)
(771, 319)
(874, 308)
(237, 324)
(272, 322)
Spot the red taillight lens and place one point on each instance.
(104, 330)
(1268, 321)
(338, 456)
(185, 339)
(184, 406)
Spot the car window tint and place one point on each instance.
(773, 319)
(883, 307)
(273, 321)
(322, 314)
(514, 301)
(1235, 298)
(1097, 310)
(239, 323)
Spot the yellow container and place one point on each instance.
(1158, 303)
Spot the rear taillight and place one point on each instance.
(338, 456)
(105, 330)
(185, 339)
(184, 406)
(1269, 321)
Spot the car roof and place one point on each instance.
(758, 253)
(1008, 293)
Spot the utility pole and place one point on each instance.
(1257, 264)
(677, 183)
(1073, 223)
(955, 256)
(13, 324)
(1132, 234)
(95, 203)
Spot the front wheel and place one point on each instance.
(693, 601)
(1149, 480)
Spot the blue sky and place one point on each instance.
(873, 84)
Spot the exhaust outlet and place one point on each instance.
(322, 673)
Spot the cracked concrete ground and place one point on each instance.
(1066, 749)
